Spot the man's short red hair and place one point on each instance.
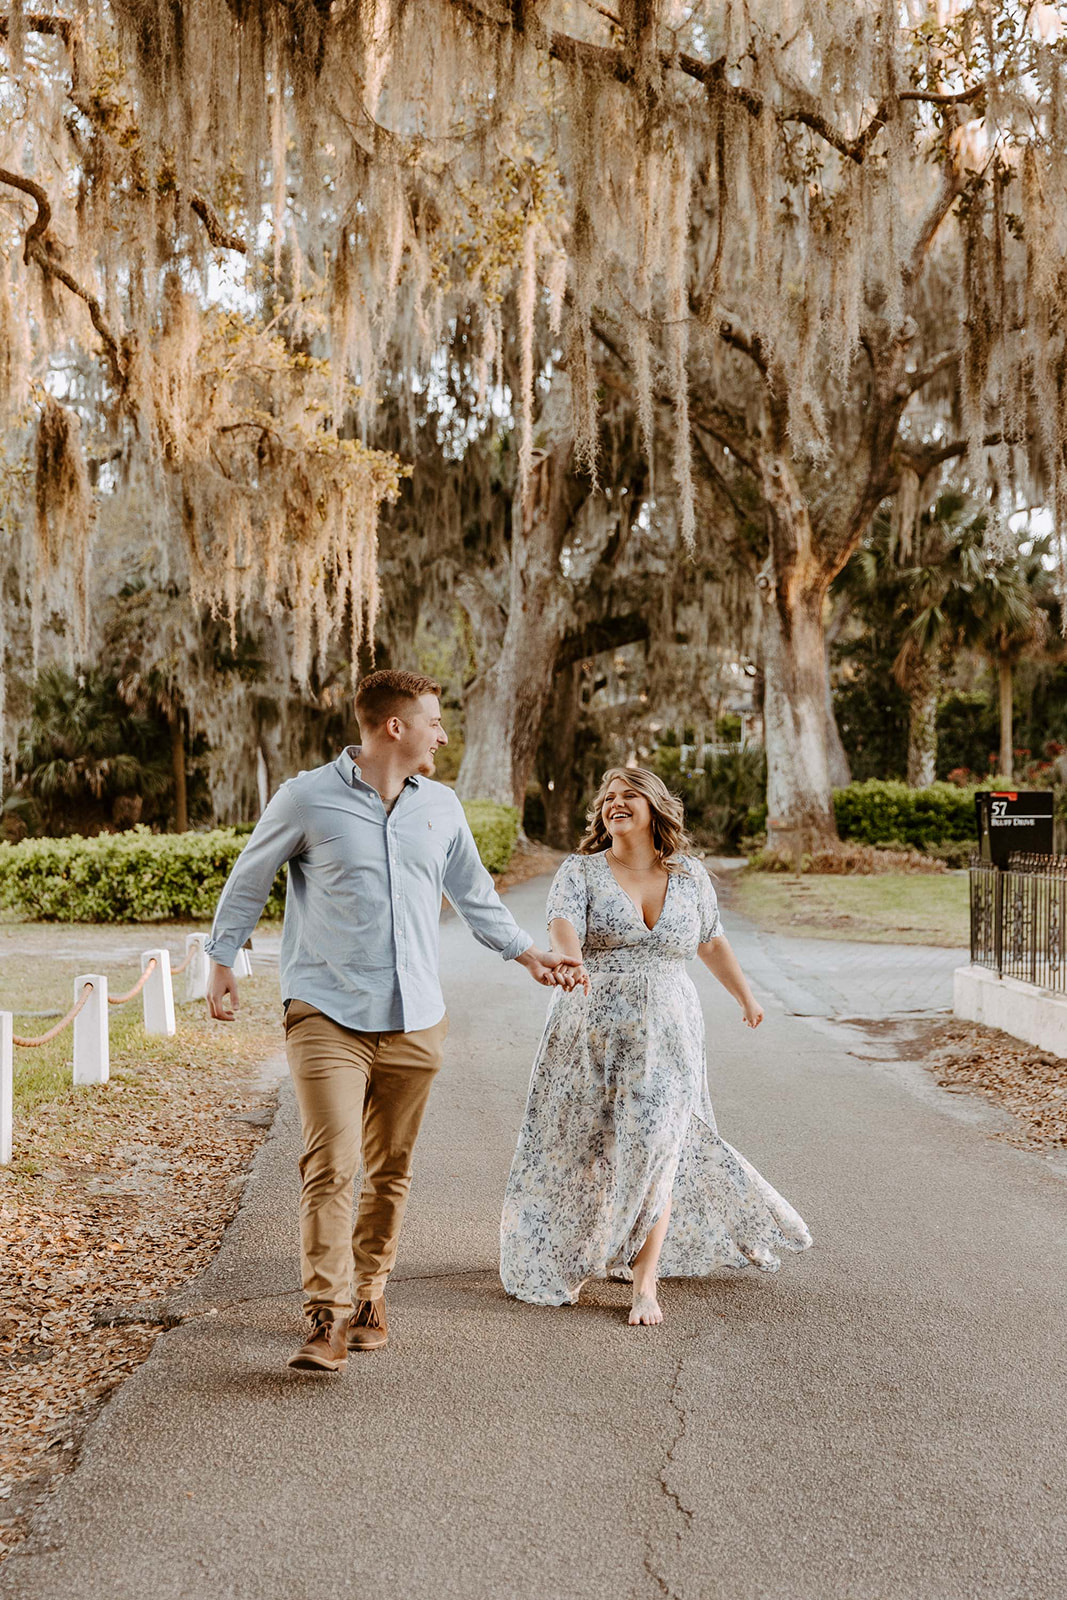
(382, 695)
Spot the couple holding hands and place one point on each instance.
(619, 1169)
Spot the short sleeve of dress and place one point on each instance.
(710, 921)
(568, 896)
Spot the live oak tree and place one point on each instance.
(834, 228)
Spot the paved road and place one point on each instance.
(882, 1421)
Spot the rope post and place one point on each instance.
(242, 966)
(92, 1054)
(158, 994)
(7, 1084)
(196, 973)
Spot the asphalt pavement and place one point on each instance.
(883, 1420)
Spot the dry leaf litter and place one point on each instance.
(118, 1195)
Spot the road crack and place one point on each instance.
(677, 1505)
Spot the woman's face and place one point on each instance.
(627, 815)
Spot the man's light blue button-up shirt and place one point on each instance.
(363, 903)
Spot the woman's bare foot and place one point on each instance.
(645, 1311)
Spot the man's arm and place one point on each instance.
(469, 888)
(276, 838)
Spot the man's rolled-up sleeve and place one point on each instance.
(277, 837)
(469, 888)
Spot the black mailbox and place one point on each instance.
(1013, 819)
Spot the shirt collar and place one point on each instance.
(347, 764)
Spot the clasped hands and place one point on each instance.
(554, 971)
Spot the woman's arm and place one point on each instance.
(723, 965)
(563, 941)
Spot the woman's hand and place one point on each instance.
(576, 976)
(752, 1011)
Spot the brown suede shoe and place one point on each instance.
(324, 1348)
(367, 1328)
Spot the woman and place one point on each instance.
(619, 1167)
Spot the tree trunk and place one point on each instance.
(1005, 687)
(506, 703)
(796, 703)
(262, 778)
(800, 810)
(557, 759)
(836, 754)
(923, 696)
(176, 723)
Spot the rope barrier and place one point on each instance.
(121, 999)
(31, 1044)
(183, 964)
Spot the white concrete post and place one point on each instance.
(92, 1054)
(196, 973)
(242, 966)
(158, 994)
(7, 1086)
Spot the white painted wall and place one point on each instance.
(1021, 1009)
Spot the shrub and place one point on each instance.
(724, 802)
(881, 811)
(495, 829)
(953, 852)
(852, 859)
(162, 877)
(129, 877)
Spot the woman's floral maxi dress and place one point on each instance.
(619, 1118)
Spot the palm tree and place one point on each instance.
(947, 537)
(1000, 613)
(83, 749)
(165, 654)
(906, 605)
(957, 595)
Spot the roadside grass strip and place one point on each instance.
(890, 908)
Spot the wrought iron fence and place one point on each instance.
(1017, 918)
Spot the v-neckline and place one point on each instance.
(637, 909)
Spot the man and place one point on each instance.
(371, 843)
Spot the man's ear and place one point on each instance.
(394, 727)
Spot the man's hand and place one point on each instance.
(572, 974)
(221, 993)
(552, 970)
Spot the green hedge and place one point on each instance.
(883, 811)
(123, 877)
(168, 877)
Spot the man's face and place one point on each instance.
(421, 734)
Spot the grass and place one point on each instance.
(884, 908)
(53, 1115)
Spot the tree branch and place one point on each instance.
(66, 28)
(715, 473)
(721, 431)
(914, 381)
(214, 228)
(56, 27)
(613, 63)
(952, 186)
(749, 344)
(925, 459)
(37, 247)
(596, 637)
(45, 23)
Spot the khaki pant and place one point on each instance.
(358, 1093)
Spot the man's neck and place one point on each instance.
(376, 769)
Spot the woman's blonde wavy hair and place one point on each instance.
(669, 838)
